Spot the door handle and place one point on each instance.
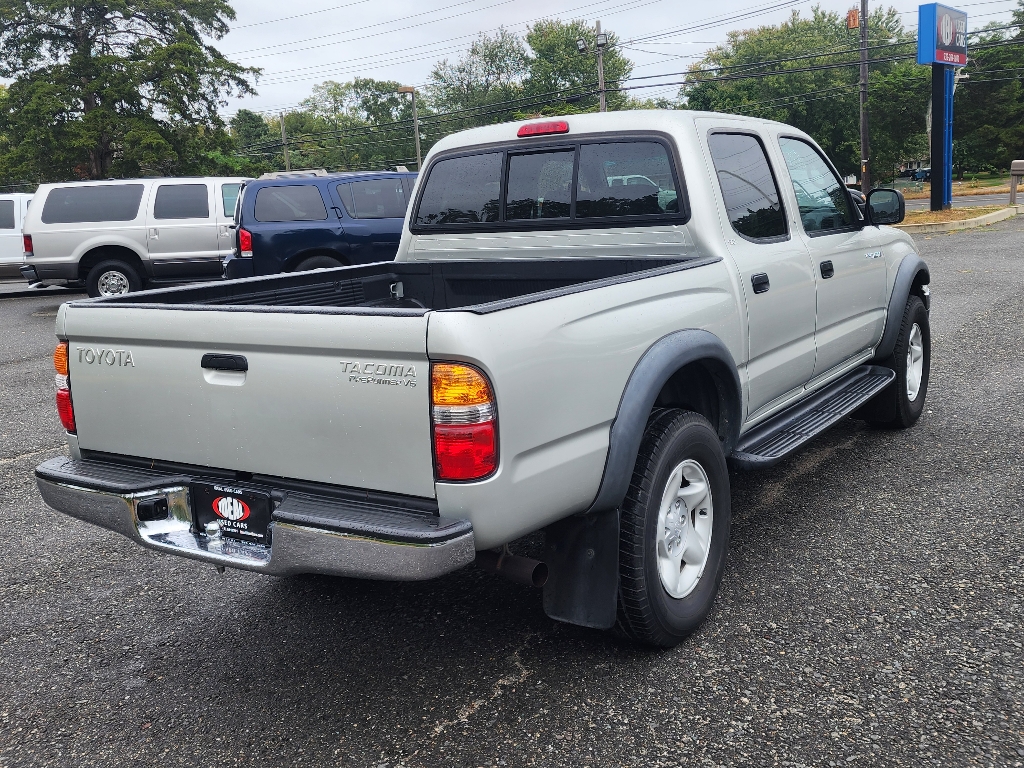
(827, 270)
(154, 233)
(760, 282)
(225, 362)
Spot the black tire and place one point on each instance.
(647, 612)
(112, 272)
(318, 262)
(893, 408)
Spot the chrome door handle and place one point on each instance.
(154, 233)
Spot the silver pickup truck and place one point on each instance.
(588, 320)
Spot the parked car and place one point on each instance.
(120, 236)
(923, 174)
(290, 224)
(12, 248)
(907, 173)
(550, 351)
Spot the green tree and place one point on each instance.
(506, 77)
(114, 88)
(784, 73)
(558, 65)
(988, 109)
(491, 74)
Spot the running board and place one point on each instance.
(783, 434)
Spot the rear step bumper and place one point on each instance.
(309, 533)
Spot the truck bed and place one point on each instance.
(335, 383)
(405, 287)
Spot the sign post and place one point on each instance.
(942, 43)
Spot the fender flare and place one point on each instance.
(582, 551)
(657, 365)
(911, 270)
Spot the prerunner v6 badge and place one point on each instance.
(240, 513)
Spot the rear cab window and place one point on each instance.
(748, 185)
(586, 183)
(96, 203)
(374, 198)
(294, 202)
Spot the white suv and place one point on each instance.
(117, 236)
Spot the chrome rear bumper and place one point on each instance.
(309, 533)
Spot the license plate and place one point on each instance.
(242, 513)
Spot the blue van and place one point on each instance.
(291, 224)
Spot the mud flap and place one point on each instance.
(582, 554)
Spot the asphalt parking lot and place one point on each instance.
(871, 614)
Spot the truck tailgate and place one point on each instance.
(331, 398)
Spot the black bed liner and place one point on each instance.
(409, 287)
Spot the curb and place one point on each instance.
(950, 226)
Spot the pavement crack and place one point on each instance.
(516, 677)
(29, 455)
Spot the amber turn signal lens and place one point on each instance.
(453, 384)
(60, 358)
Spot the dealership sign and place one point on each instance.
(941, 35)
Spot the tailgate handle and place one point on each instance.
(225, 362)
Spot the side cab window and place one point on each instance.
(821, 197)
(748, 185)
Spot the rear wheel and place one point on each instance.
(112, 278)
(318, 262)
(674, 530)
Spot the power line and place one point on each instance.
(299, 15)
(372, 26)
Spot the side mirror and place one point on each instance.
(885, 206)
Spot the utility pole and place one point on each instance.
(284, 142)
(602, 41)
(865, 148)
(415, 122)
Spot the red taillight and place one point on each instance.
(465, 452)
(65, 409)
(543, 129)
(464, 414)
(245, 242)
(27, 240)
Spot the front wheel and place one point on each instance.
(674, 532)
(900, 405)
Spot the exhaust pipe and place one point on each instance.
(522, 570)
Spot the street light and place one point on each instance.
(602, 43)
(415, 122)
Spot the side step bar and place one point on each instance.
(783, 434)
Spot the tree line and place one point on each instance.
(136, 88)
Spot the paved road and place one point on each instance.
(871, 614)
(964, 201)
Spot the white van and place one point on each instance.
(120, 236)
(12, 249)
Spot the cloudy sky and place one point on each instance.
(304, 42)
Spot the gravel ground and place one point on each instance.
(870, 614)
